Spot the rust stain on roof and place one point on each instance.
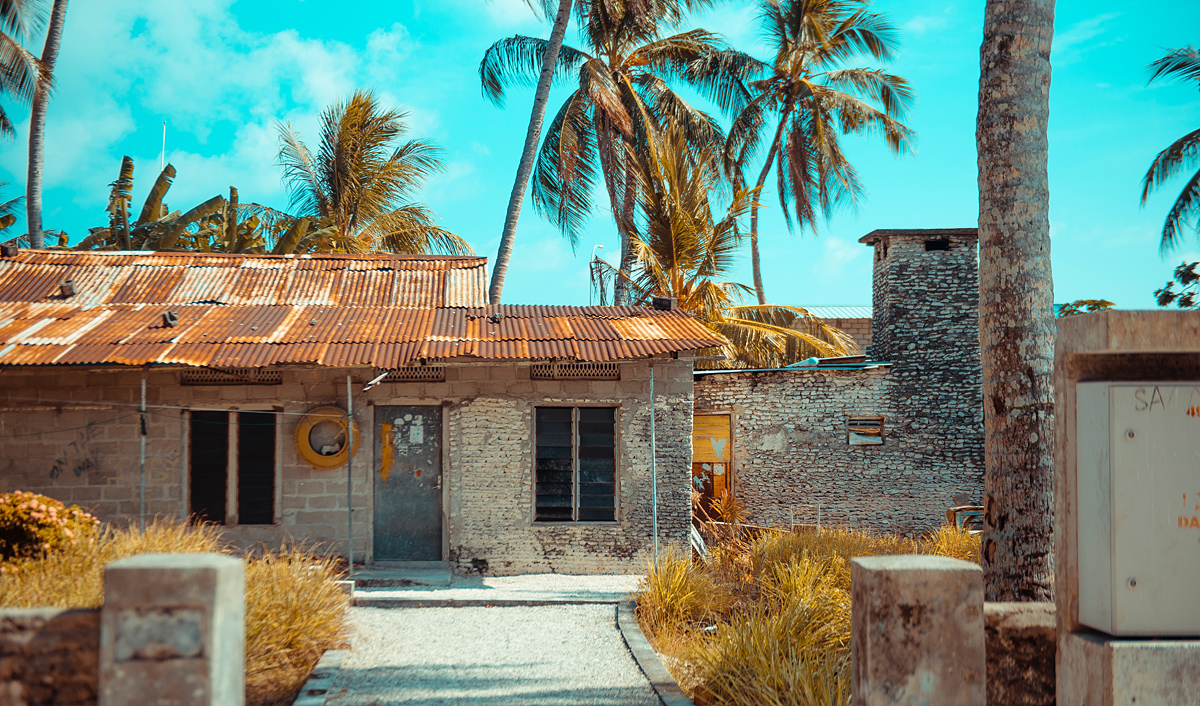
(332, 310)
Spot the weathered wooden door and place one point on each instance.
(408, 483)
(711, 455)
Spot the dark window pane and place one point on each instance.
(553, 414)
(597, 464)
(596, 428)
(256, 468)
(554, 452)
(596, 440)
(554, 515)
(554, 464)
(545, 438)
(596, 452)
(595, 476)
(588, 500)
(563, 428)
(209, 459)
(597, 514)
(597, 414)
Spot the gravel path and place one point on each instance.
(564, 655)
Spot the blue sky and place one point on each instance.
(222, 72)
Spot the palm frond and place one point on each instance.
(412, 229)
(1185, 211)
(1181, 63)
(565, 172)
(517, 61)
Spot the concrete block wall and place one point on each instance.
(49, 656)
(858, 329)
(60, 435)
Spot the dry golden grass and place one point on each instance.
(293, 610)
(766, 620)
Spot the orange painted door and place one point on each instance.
(712, 454)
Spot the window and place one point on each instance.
(232, 449)
(864, 430)
(576, 464)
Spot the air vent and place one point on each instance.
(575, 371)
(422, 373)
(231, 376)
(864, 429)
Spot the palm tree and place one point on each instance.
(19, 71)
(623, 96)
(37, 125)
(532, 135)
(357, 188)
(1016, 299)
(1184, 153)
(683, 251)
(806, 101)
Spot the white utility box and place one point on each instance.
(1138, 448)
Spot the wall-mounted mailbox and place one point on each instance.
(1139, 507)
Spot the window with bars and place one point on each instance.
(576, 464)
(232, 450)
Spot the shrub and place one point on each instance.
(32, 524)
(780, 631)
(293, 610)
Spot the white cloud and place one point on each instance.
(220, 87)
(920, 24)
(1070, 46)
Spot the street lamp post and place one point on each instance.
(592, 283)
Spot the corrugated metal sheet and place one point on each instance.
(334, 310)
(840, 312)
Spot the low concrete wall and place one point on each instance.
(1021, 647)
(49, 657)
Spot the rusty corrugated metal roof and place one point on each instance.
(333, 310)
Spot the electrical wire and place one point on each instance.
(85, 426)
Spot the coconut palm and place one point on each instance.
(807, 101)
(1016, 299)
(19, 70)
(549, 58)
(623, 96)
(357, 188)
(37, 124)
(1184, 153)
(683, 251)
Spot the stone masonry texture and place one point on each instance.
(790, 443)
(73, 434)
(49, 657)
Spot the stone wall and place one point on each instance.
(49, 657)
(73, 435)
(791, 450)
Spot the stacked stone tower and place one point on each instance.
(926, 324)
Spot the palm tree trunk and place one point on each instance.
(37, 126)
(624, 223)
(1016, 323)
(762, 180)
(532, 135)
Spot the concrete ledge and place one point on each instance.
(1021, 647)
(1099, 670)
(316, 689)
(647, 659)
(361, 601)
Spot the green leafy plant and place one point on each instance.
(1188, 294)
(32, 525)
(1081, 306)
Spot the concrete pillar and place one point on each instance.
(173, 631)
(917, 632)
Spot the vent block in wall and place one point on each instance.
(575, 371)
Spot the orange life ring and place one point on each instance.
(324, 457)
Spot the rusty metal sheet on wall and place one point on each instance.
(408, 483)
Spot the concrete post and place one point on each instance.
(173, 631)
(917, 632)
